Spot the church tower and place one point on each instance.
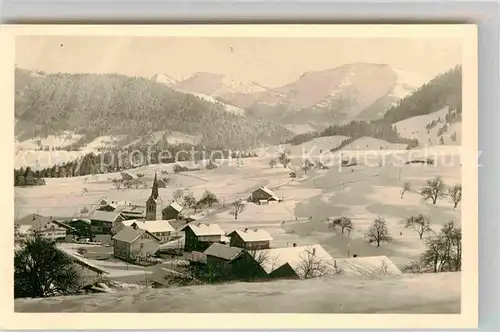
(154, 204)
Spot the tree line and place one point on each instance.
(116, 159)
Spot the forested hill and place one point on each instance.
(109, 104)
(443, 91)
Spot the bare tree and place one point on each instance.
(312, 266)
(455, 193)
(178, 194)
(344, 223)
(420, 224)
(406, 187)
(378, 232)
(236, 208)
(189, 200)
(443, 252)
(433, 190)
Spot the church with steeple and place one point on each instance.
(154, 204)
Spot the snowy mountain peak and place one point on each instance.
(163, 78)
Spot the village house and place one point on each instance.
(159, 228)
(47, 227)
(81, 225)
(198, 237)
(264, 195)
(250, 239)
(218, 257)
(298, 262)
(127, 209)
(102, 221)
(132, 242)
(172, 211)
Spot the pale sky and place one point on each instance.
(268, 61)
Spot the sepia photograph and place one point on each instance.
(240, 172)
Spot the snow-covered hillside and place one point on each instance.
(418, 128)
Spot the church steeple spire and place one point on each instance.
(154, 191)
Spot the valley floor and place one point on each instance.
(426, 293)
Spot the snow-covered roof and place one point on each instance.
(269, 191)
(176, 206)
(252, 235)
(130, 234)
(104, 215)
(155, 226)
(223, 251)
(362, 266)
(204, 229)
(296, 257)
(82, 261)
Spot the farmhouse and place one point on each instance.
(82, 226)
(199, 237)
(132, 242)
(102, 221)
(172, 211)
(159, 228)
(250, 239)
(127, 209)
(47, 227)
(218, 257)
(264, 195)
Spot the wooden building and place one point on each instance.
(264, 195)
(218, 257)
(198, 237)
(102, 221)
(133, 242)
(250, 239)
(172, 211)
(159, 228)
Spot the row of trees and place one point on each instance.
(27, 177)
(436, 189)
(116, 159)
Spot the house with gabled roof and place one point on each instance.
(102, 221)
(199, 237)
(218, 259)
(159, 228)
(172, 211)
(264, 195)
(132, 242)
(250, 239)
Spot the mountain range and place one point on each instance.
(218, 110)
(357, 91)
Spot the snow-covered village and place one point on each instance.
(246, 181)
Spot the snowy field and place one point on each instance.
(362, 193)
(419, 294)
